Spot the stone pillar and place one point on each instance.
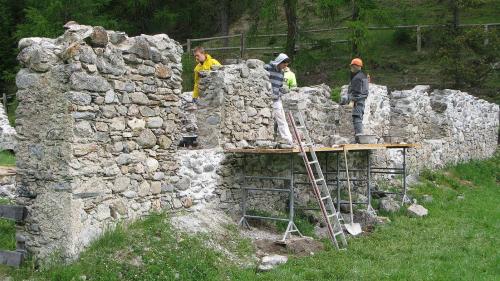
(210, 108)
(97, 122)
(235, 106)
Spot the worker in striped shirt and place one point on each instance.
(275, 69)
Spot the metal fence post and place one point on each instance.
(188, 46)
(419, 39)
(242, 45)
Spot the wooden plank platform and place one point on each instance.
(340, 147)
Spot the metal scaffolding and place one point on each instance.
(333, 178)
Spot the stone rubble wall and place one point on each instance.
(101, 114)
(196, 182)
(98, 124)
(8, 134)
(235, 106)
(444, 122)
(451, 125)
(7, 183)
(321, 115)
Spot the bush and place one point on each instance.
(335, 94)
(401, 36)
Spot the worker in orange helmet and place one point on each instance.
(357, 92)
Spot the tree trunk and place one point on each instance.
(456, 15)
(224, 20)
(355, 17)
(291, 20)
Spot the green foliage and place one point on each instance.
(335, 95)
(402, 36)
(46, 17)
(11, 110)
(188, 64)
(358, 36)
(329, 9)
(269, 13)
(7, 230)
(7, 158)
(8, 237)
(464, 58)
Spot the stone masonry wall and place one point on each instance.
(235, 106)
(451, 126)
(97, 119)
(8, 134)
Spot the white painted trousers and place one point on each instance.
(280, 119)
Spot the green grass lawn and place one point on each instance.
(458, 240)
(7, 231)
(7, 158)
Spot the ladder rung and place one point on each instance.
(338, 233)
(306, 144)
(320, 179)
(326, 197)
(312, 162)
(301, 127)
(331, 215)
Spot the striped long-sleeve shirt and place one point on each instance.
(276, 78)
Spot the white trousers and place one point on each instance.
(280, 119)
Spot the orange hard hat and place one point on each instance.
(357, 61)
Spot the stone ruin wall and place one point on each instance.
(451, 125)
(98, 125)
(234, 108)
(101, 114)
(444, 122)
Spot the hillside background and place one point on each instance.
(451, 57)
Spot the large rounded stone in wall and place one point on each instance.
(146, 139)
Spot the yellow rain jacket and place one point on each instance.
(207, 65)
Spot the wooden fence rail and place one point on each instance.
(242, 46)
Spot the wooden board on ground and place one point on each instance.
(17, 213)
(11, 258)
(339, 147)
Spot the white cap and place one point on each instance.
(279, 59)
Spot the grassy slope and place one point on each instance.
(457, 241)
(7, 231)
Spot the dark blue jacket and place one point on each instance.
(358, 88)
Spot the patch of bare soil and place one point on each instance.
(267, 241)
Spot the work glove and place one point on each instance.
(284, 90)
(344, 99)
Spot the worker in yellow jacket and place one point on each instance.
(205, 62)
